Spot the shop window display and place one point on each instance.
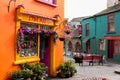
(27, 40)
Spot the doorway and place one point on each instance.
(110, 48)
(88, 47)
(45, 51)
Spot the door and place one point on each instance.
(110, 48)
(45, 52)
(88, 46)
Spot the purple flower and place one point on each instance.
(19, 45)
(21, 33)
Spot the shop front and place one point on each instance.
(35, 38)
(113, 47)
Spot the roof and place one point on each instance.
(78, 19)
(111, 9)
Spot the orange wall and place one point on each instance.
(7, 30)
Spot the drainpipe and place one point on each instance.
(95, 36)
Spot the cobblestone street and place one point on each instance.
(96, 72)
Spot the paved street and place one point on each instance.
(95, 72)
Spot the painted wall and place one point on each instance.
(101, 31)
(90, 36)
(99, 28)
(7, 30)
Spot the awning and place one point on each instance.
(85, 40)
(112, 37)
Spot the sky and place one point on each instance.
(81, 8)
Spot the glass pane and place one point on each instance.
(27, 40)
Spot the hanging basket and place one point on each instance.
(61, 38)
(67, 32)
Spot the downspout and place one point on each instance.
(95, 36)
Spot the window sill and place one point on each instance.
(27, 60)
(111, 32)
(47, 3)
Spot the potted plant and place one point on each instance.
(40, 70)
(61, 38)
(27, 73)
(17, 75)
(77, 58)
(67, 31)
(66, 70)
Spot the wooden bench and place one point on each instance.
(91, 59)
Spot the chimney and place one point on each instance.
(112, 2)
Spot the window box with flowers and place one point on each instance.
(61, 38)
(67, 30)
(27, 40)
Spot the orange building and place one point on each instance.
(22, 26)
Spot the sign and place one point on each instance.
(36, 19)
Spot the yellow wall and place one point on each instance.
(8, 28)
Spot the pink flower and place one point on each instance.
(20, 6)
(21, 33)
(19, 45)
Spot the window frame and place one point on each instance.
(20, 60)
(102, 44)
(87, 29)
(111, 23)
(79, 29)
(70, 46)
(117, 42)
(54, 2)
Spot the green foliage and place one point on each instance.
(26, 66)
(66, 68)
(17, 74)
(37, 70)
(27, 73)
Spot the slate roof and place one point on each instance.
(110, 9)
(78, 19)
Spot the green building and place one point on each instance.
(101, 33)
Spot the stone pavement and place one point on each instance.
(96, 72)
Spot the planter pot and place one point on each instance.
(17, 78)
(61, 39)
(77, 59)
(67, 32)
(67, 75)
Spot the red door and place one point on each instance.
(88, 46)
(110, 48)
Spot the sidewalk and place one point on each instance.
(96, 72)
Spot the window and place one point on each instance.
(27, 41)
(87, 29)
(117, 46)
(49, 2)
(111, 27)
(79, 29)
(102, 44)
(77, 47)
(70, 47)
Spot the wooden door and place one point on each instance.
(88, 46)
(110, 48)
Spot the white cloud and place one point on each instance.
(79, 8)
